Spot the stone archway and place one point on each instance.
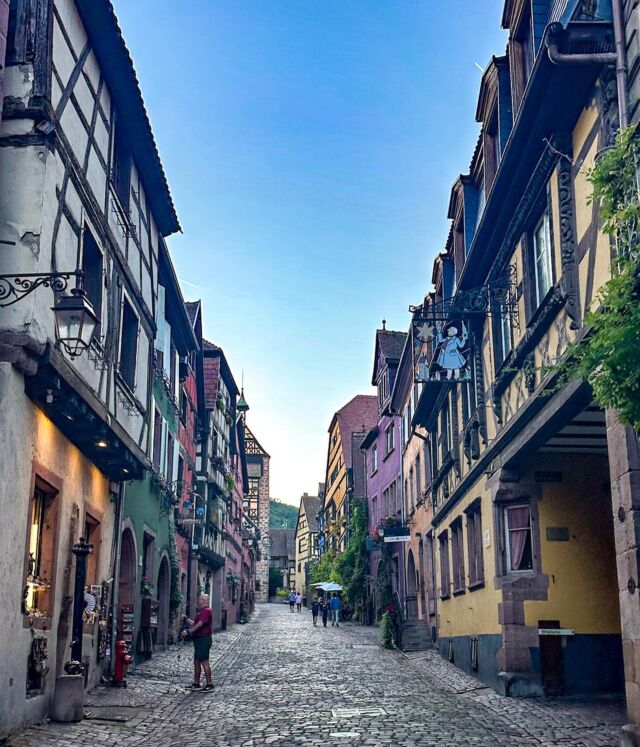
(128, 566)
(164, 587)
(412, 587)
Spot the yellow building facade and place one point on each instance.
(306, 540)
(523, 531)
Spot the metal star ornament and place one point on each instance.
(425, 332)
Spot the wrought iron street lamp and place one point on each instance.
(75, 318)
(76, 322)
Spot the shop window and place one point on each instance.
(92, 536)
(128, 345)
(542, 259)
(445, 577)
(92, 272)
(457, 552)
(40, 570)
(474, 546)
(518, 544)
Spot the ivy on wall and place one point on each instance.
(175, 595)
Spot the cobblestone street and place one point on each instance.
(281, 681)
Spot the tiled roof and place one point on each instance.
(311, 506)
(283, 543)
(211, 378)
(391, 343)
(207, 345)
(109, 46)
(359, 415)
(192, 310)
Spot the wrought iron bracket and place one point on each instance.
(499, 298)
(14, 288)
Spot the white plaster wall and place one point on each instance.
(26, 435)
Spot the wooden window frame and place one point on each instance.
(457, 555)
(445, 565)
(47, 481)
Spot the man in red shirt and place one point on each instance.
(200, 630)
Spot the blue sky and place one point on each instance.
(310, 146)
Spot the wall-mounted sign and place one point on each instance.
(398, 538)
(441, 350)
(556, 631)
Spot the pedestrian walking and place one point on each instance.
(292, 600)
(325, 612)
(200, 631)
(315, 608)
(299, 601)
(336, 606)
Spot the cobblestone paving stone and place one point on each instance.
(279, 678)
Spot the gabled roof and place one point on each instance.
(359, 415)
(389, 344)
(283, 543)
(404, 378)
(250, 437)
(193, 309)
(108, 44)
(311, 505)
(213, 352)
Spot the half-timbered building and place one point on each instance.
(519, 467)
(81, 188)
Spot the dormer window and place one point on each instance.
(522, 55)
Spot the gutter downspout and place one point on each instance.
(553, 37)
(617, 58)
(621, 63)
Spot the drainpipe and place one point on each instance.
(554, 35)
(621, 63)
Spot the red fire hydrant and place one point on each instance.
(122, 661)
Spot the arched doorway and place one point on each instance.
(412, 588)
(164, 585)
(127, 583)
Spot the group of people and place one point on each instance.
(328, 607)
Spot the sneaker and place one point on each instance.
(194, 686)
(208, 686)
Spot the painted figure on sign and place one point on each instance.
(450, 358)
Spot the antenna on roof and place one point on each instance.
(384, 325)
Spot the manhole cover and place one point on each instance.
(111, 713)
(358, 711)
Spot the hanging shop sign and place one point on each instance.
(441, 350)
(441, 336)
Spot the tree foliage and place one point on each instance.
(282, 515)
(352, 565)
(324, 569)
(607, 358)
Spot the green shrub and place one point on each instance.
(386, 632)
